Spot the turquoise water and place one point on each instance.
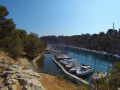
(98, 62)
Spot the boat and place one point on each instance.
(117, 56)
(62, 56)
(84, 70)
(61, 61)
(66, 62)
(69, 66)
(98, 75)
(74, 69)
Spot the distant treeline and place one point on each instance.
(15, 41)
(108, 42)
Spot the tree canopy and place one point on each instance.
(15, 41)
(108, 42)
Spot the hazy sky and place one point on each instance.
(64, 17)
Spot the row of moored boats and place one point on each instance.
(98, 52)
(72, 66)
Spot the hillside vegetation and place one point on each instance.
(15, 41)
(108, 42)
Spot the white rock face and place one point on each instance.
(27, 78)
(12, 87)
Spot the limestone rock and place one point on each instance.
(12, 87)
(12, 81)
(27, 78)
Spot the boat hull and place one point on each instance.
(73, 70)
(85, 73)
(99, 75)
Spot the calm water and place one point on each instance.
(48, 66)
(98, 62)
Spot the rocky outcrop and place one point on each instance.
(16, 75)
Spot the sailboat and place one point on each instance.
(75, 67)
(101, 74)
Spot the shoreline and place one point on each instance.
(94, 51)
(97, 52)
(34, 63)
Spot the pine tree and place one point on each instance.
(15, 47)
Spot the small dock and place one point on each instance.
(69, 74)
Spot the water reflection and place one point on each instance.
(46, 65)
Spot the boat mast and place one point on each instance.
(112, 47)
(113, 44)
(97, 62)
(113, 25)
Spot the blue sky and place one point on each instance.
(64, 17)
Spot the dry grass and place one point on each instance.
(55, 83)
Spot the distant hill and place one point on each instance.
(108, 42)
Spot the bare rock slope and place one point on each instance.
(17, 78)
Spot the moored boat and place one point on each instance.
(69, 66)
(66, 62)
(84, 70)
(99, 75)
(62, 56)
(74, 69)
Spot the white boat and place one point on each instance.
(61, 61)
(74, 69)
(74, 63)
(117, 56)
(69, 66)
(84, 70)
(62, 56)
(98, 75)
(65, 62)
